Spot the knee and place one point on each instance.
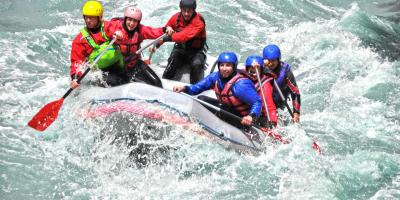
(197, 63)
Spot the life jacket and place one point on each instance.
(280, 80)
(129, 44)
(263, 80)
(196, 43)
(110, 57)
(226, 96)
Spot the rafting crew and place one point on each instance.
(284, 82)
(190, 42)
(234, 90)
(120, 64)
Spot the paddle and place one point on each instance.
(48, 114)
(263, 98)
(148, 61)
(270, 133)
(315, 145)
(150, 43)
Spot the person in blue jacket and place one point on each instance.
(234, 90)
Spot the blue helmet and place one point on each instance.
(272, 52)
(252, 58)
(227, 57)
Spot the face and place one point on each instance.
(131, 23)
(187, 13)
(271, 64)
(226, 69)
(92, 22)
(252, 70)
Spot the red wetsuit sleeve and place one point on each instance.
(148, 32)
(79, 52)
(294, 91)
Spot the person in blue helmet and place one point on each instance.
(234, 90)
(255, 64)
(284, 79)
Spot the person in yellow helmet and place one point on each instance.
(90, 42)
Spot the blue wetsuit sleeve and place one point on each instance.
(245, 91)
(203, 85)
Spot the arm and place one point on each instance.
(78, 56)
(203, 85)
(149, 32)
(295, 94)
(244, 90)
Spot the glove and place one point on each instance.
(167, 38)
(118, 35)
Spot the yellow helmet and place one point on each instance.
(93, 9)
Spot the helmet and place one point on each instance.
(93, 9)
(133, 12)
(188, 4)
(254, 58)
(227, 57)
(272, 52)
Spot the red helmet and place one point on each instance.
(133, 12)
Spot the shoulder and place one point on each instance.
(213, 76)
(200, 17)
(175, 16)
(78, 39)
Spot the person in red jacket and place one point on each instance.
(253, 62)
(130, 34)
(90, 42)
(190, 42)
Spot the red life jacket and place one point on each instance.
(226, 96)
(128, 45)
(270, 102)
(198, 42)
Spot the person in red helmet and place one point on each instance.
(190, 42)
(130, 33)
(90, 42)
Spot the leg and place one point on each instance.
(114, 79)
(147, 75)
(197, 67)
(175, 61)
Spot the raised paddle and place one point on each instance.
(270, 133)
(263, 99)
(48, 114)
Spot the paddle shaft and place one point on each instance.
(218, 109)
(151, 43)
(213, 67)
(263, 98)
